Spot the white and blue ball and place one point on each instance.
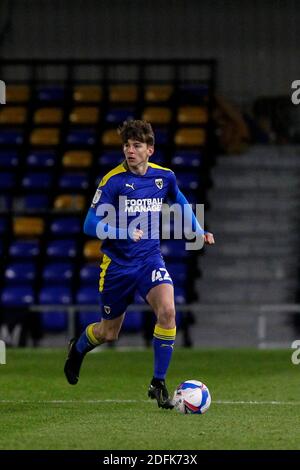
(192, 397)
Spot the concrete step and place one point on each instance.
(238, 291)
(289, 194)
(252, 216)
(263, 162)
(256, 203)
(257, 182)
(290, 239)
(245, 270)
(244, 227)
(240, 249)
(269, 173)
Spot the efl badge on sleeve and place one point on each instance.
(97, 196)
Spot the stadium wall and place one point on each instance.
(254, 42)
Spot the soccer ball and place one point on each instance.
(192, 397)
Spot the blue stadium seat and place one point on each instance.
(90, 273)
(32, 202)
(189, 92)
(24, 248)
(58, 272)
(82, 137)
(158, 158)
(119, 115)
(66, 226)
(188, 181)
(85, 318)
(5, 203)
(178, 272)
(180, 295)
(186, 159)
(111, 158)
(56, 295)
(20, 272)
(37, 181)
(19, 296)
(50, 93)
(133, 321)
(11, 137)
(3, 225)
(88, 295)
(54, 320)
(174, 249)
(74, 181)
(161, 136)
(41, 159)
(7, 180)
(8, 159)
(61, 249)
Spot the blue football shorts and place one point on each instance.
(118, 283)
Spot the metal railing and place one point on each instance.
(260, 312)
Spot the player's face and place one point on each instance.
(137, 153)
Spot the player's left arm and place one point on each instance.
(176, 196)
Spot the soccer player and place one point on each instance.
(134, 192)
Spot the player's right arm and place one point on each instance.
(100, 221)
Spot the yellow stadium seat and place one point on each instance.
(111, 138)
(17, 93)
(28, 226)
(69, 202)
(48, 116)
(12, 115)
(190, 137)
(77, 159)
(157, 115)
(92, 250)
(192, 115)
(84, 115)
(49, 136)
(123, 93)
(87, 93)
(158, 93)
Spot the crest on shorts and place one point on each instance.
(159, 183)
(107, 309)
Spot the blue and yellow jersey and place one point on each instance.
(141, 202)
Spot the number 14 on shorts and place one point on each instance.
(160, 274)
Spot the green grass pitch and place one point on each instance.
(255, 401)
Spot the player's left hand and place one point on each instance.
(209, 238)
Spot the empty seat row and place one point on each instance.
(58, 248)
(84, 158)
(17, 115)
(94, 93)
(89, 137)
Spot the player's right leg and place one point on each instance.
(94, 335)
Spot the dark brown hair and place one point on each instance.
(137, 130)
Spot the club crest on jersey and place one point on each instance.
(107, 309)
(159, 183)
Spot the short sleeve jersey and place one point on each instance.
(137, 201)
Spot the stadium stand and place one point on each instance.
(56, 141)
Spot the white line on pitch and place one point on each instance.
(217, 402)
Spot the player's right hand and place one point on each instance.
(137, 235)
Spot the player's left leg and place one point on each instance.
(94, 335)
(161, 299)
